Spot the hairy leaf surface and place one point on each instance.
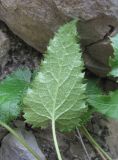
(57, 92)
(114, 60)
(105, 104)
(11, 90)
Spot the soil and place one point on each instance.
(103, 130)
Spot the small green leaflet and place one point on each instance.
(11, 90)
(113, 62)
(105, 104)
(57, 93)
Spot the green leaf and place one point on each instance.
(93, 86)
(57, 93)
(113, 61)
(86, 116)
(105, 104)
(11, 90)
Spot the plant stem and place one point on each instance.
(83, 145)
(95, 144)
(21, 140)
(55, 140)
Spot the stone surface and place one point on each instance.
(4, 48)
(3, 133)
(11, 149)
(112, 139)
(36, 21)
(70, 146)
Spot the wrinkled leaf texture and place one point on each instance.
(57, 93)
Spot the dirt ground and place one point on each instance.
(105, 131)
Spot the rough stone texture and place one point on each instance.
(4, 48)
(3, 133)
(11, 149)
(112, 139)
(70, 146)
(35, 21)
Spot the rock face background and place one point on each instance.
(14, 150)
(35, 21)
(4, 48)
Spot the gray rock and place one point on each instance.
(4, 48)
(11, 149)
(35, 21)
(112, 139)
(3, 133)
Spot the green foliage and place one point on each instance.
(105, 104)
(113, 61)
(57, 93)
(93, 86)
(11, 91)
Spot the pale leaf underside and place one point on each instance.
(57, 92)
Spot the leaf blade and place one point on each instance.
(58, 88)
(11, 90)
(102, 103)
